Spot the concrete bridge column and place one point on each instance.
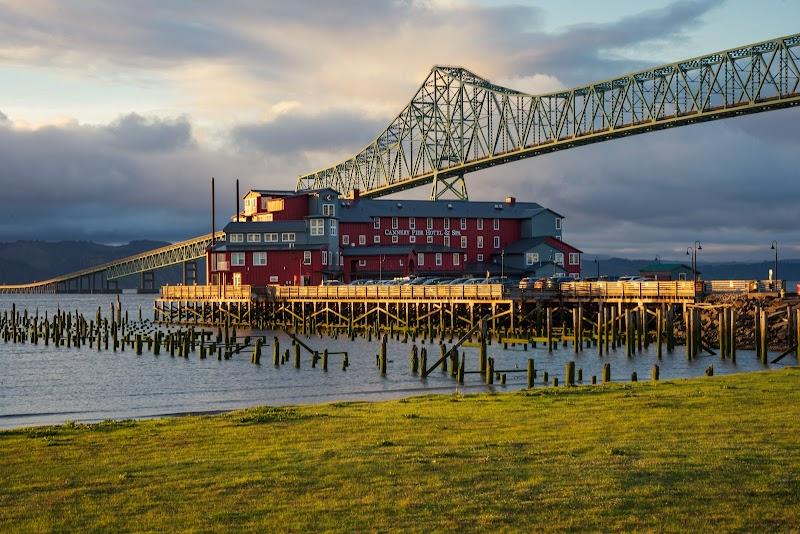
(148, 282)
(190, 273)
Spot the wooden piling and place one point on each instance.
(569, 374)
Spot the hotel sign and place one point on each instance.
(422, 233)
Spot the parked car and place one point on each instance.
(458, 281)
(556, 281)
(361, 282)
(332, 282)
(527, 282)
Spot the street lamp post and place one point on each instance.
(775, 273)
(597, 264)
(502, 263)
(692, 251)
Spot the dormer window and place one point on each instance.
(328, 210)
(236, 238)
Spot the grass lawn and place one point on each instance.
(711, 454)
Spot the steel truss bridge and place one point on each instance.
(458, 122)
(102, 278)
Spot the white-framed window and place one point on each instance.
(456, 258)
(394, 239)
(345, 239)
(317, 227)
(446, 240)
(412, 223)
(574, 258)
(480, 257)
(412, 239)
(328, 210)
(531, 258)
(480, 240)
(236, 238)
(447, 224)
(271, 238)
(341, 260)
(558, 223)
(324, 257)
(334, 226)
(306, 257)
(288, 237)
(430, 239)
(362, 263)
(496, 224)
(479, 223)
(259, 258)
(362, 239)
(559, 258)
(681, 276)
(264, 201)
(376, 223)
(463, 241)
(376, 239)
(237, 259)
(496, 241)
(429, 223)
(254, 238)
(463, 223)
(421, 258)
(394, 223)
(273, 279)
(438, 259)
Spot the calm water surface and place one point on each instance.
(43, 385)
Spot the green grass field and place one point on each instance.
(713, 454)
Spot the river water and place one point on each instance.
(43, 385)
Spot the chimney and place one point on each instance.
(356, 195)
(511, 201)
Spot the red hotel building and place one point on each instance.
(303, 238)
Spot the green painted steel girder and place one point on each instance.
(458, 122)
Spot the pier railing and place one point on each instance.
(404, 292)
(629, 290)
(220, 292)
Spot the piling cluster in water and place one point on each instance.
(610, 329)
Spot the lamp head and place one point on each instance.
(772, 247)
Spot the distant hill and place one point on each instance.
(26, 261)
(788, 269)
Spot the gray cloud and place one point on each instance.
(293, 132)
(135, 178)
(150, 134)
(3, 117)
(580, 54)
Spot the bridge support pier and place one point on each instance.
(190, 273)
(148, 282)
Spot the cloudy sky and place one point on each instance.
(113, 115)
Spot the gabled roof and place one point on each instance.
(256, 227)
(362, 210)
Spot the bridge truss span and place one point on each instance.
(458, 122)
(93, 278)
